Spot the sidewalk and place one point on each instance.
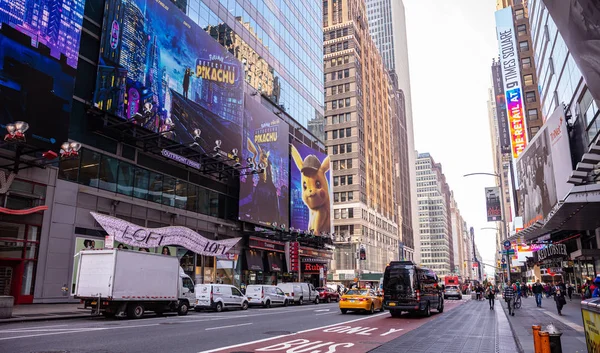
(470, 328)
(570, 324)
(38, 312)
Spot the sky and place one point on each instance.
(451, 45)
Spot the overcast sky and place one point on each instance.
(451, 45)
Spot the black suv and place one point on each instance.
(408, 287)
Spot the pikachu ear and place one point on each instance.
(268, 154)
(296, 157)
(325, 165)
(251, 147)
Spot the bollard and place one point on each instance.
(536, 338)
(544, 342)
(554, 336)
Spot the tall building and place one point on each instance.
(359, 139)
(435, 218)
(460, 258)
(387, 26)
(529, 76)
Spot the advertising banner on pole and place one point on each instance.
(578, 22)
(310, 190)
(264, 197)
(161, 71)
(492, 203)
(501, 113)
(511, 80)
(544, 168)
(38, 64)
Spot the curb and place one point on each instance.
(512, 328)
(42, 318)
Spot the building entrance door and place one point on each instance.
(10, 278)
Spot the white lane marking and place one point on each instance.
(291, 334)
(35, 327)
(220, 327)
(572, 325)
(318, 310)
(75, 331)
(324, 314)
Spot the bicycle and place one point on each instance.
(517, 302)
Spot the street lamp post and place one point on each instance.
(503, 211)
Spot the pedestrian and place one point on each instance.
(490, 295)
(559, 298)
(570, 291)
(596, 292)
(537, 290)
(509, 295)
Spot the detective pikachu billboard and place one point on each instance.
(264, 197)
(310, 190)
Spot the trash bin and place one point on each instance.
(6, 306)
(590, 310)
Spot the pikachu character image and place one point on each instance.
(315, 190)
(265, 190)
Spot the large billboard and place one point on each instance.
(492, 204)
(310, 190)
(501, 113)
(264, 197)
(544, 168)
(511, 80)
(578, 22)
(160, 70)
(39, 47)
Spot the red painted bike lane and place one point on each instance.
(357, 335)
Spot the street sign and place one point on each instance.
(509, 252)
(503, 265)
(506, 244)
(503, 260)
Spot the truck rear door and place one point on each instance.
(399, 283)
(202, 294)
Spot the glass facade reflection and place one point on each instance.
(111, 174)
(280, 44)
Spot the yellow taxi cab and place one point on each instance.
(362, 299)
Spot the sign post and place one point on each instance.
(507, 248)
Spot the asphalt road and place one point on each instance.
(206, 331)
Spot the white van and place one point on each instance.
(219, 297)
(265, 295)
(300, 292)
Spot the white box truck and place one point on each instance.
(127, 283)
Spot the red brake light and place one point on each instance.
(418, 292)
(362, 299)
(292, 294)
(343, 299)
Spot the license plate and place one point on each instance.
(93, 303)
(392, 304)
(351, 300)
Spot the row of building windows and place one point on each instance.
(338, 119)
(340, 60)
(343, 213)
(338, 75)
(340, 103)
(344, 88)
(341, 133)
(335, 34)
(342, 164)
(343, 148)
(343, 180)
(343, 196)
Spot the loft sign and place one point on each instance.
(552, 251)
(134, 235)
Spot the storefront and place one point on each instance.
(264, 262)
(314, 265)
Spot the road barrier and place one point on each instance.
(547, 341)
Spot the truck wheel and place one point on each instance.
(301, 301)
(427, 311)
(183, 309)
(219, 307)
(267, 304)
(135, 311)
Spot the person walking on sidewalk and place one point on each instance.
(490, 295)
(559, 298)
(570, 291)
(537, 290)
(509, 295)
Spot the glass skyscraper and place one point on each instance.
(284, 39)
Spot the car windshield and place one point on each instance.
(357, 292)
(321, 289)
(452, 288)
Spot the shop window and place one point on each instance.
(140, 183)
(181, 194)
(168, 191)
(90, 165)
(125, 179)
(155, 187)
(214, 204)
(108, 173)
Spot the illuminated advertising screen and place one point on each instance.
(511, 80)
(264, 197)
(160, 70)
(492, 202)
(310, 190)
(39, 46)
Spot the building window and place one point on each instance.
(348, 132)
(335, 149)
(528, 80)
(348, 148)
(333, 104)
(347, 102)
(333, 90)
(530, 97)
(532, 114)
(336, 181)
(519, 14)
(346, 73)
(522, 30)
(346, 45)
(334, 134)
(526, 63)
(523, 46)
(341, 132)
(534, 131)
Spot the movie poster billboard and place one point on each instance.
(578, 22)
(544, 168)
(39, 48)
(492, 203)
(310, 190)
(160, 70)
(264, 197)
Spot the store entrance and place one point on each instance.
(11, 272)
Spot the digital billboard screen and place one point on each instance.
(264, 197)
(39, 47)
(492, 203)
(310, 190)
(160, 70)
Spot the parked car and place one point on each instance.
(300, 292)
(265, 295)
(328, 295)
(452, 292)
(361, 300)
(219, 297)
(408, 287)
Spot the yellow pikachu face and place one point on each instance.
(315, 189)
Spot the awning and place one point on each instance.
(275, 262)
(254, 260)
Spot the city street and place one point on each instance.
(232, 331)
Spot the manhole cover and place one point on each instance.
(278, 332)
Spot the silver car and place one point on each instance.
(452, 292)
